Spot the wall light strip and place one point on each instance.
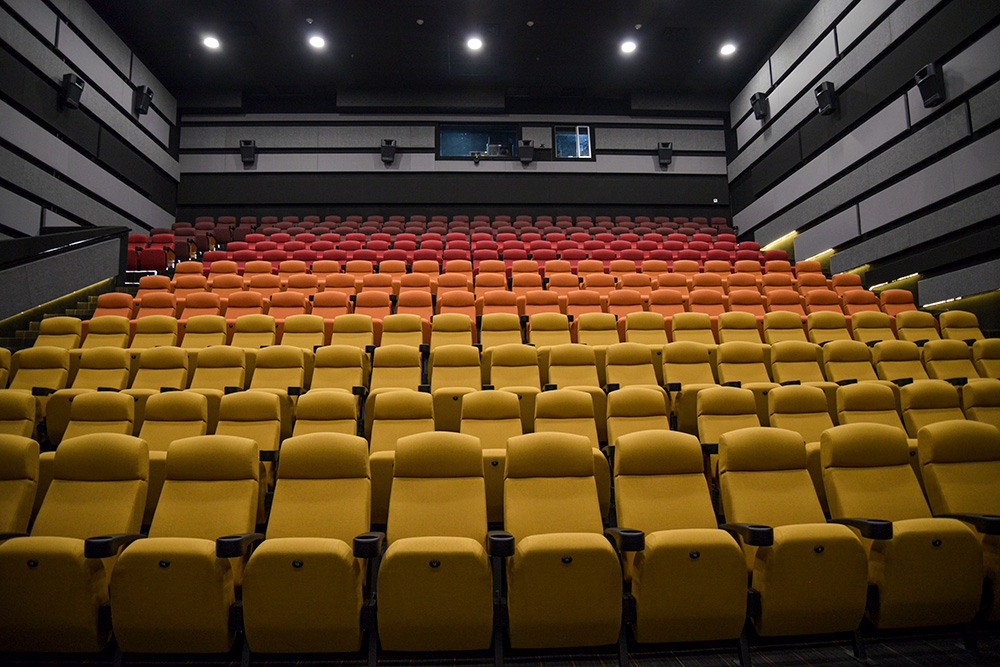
(782, 239)
(828, 251)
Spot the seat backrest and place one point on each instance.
(323, 488)
(211, 470)
(645, 328)
(742, 362)
(303, 331)
(686, 362)
(253, 331)
(824, 326)
(986, 357)
(154, 331)
(848, 360)
(981, 402)
(693, 327)
(783, 325)
(630, 364)
(59, 332)
(549, 486)
(17, 413)
(514, 365)
(597, 328)
(106, 331)
(398, 414)
(929, 402)
(219, 367)
(100, 412)
(860, 301)
(404, 329)
(40, 367)
(946, 359)
(660, 482)
(451, 329)
(279, 367)
(356, 330)
(339, 367)
(633, 409)
(102, 367)
(796, 360)
(871, 325)
(916, 325)
(724, 409)
(431, 468)
(396, 366)
(326, 412)
(251, 414)
(98, 487)
(867, 473)
(960, 466)
(566, 411)
(491, 416)
(960, 325)
(454, 366)
(895, 301)
(867, 402)
(763, 478)
(18, 480)
(802, 409)
(573, 365)
(895, 359)
(548, 329)
(171, 416)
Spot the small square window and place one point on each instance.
(572, 141)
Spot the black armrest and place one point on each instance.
(425, 349)
(41, 391)
(370, 349)
(270, 455)
(488, 387)
(316, 348)
(732, 383)
(612, 386)
(106, 546)
(232, 390)
(353, 297)
(673, 386)
(500, 543)
(294, 391)
(479, 321)
(969, 341)
(626, 539)
(478, 346)
(368, 545)
(570, 318)
(844, 383)
(311, 297)
(958, 382)
(791, 383)
(524, 320)
(236, 546)
(359, 390)
(873, 529)
(754, 534)
(987, 524)
(392, 298)
(549, 386)
(921, 342)
(425, 388)
(902, 382)
(107, 389)
(708, 448)
(872, 343)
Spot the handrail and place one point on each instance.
(18, 252)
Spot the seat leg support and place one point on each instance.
(623, 646)
(969, 638)
(245, 657)
(743, 649)
(858, 646)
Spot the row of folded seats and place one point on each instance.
(599, 392)
(671, 571)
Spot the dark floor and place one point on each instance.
(910, 649)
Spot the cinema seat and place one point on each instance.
(396, 414)
(960, 325)
(633, 409)
(453, 371)
(803, 409)
(18, 481)
(61, 332)
(917, 326)
(493, 417)
(17, 413)
(686, 370)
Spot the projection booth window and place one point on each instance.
(484, 141)
(572, 141)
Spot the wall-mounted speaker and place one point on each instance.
(142, 97)
(758, 102)
(248, 152)
(665, 153)
(71, 91)
(526, 152)
(826, 98)
(930, 81)
(388, 149)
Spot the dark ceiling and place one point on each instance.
(570, 53)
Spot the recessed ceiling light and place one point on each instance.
(628, 47)
(211, 42)
(638, 26)
(531, 23)
(728, 49)
(317, 42)
(420, 21)
(474, 43)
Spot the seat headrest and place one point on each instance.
(647, 321)
(404, 404)
(916, 319)
(682, 321)
(438, 454)
(303, 324)
(864, 446)
(287, 299)
(761, 448)
(846, 351)
(490, 405)
(17, 404)
(108, 324)
(929, 395)
(658, 452)
(514, 354)
(870, 319)
(213, 458)
(396, 356)
(782, 319)
(18, 456)
(636, 401)
(982, 394)
(958, 441)
(549, 455)
(454, 355)
(401, 322)
(326, 405)
(800, 399)
(826, 319)
(945, 349)
(54, 326)
(157, 300)
(177, 406)
(163, 357)
(741, 352)
(221, 356)
(280, 356)
(451, 322)
(114, 300)
(572, 354)
(353, 323)
(595, 321)
(156, 324)
(206, 324)
(102, 406)
(255, 323)
(895, 350)
(324, 456)
(736, 319)
(960, 319)
(789, 351)
(104, 358)
(339, 355)
(628, 354)
(865, 396)
(250, 406)
(101, 457)
(725, 401)
(43, 356)
(685, 352)
(564, 404)
(548, 322)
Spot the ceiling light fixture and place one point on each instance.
(317, 42)
(728, 49)
(628, 46)
(211, 42)
(474, 43)
(531, 24)
(420, 21)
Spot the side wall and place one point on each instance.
(909, 196)
(100, 164)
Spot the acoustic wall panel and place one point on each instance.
(830, 233)
(974, 279)
(18, 213)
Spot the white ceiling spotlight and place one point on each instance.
(628, 46)
(211, 42)
(317, 42)
(728, 49)
(474, 43)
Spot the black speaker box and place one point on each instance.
(526, 151)
(665, 153)
(71, 92)
(388, 151)
(930, 81)
(826, 98)
(142, 97)
(248, 152)
(758, 102)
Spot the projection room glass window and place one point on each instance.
(485, 141)
(572, 141)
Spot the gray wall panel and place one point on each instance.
(205, 137)
(19, 213)
(162, 99)
(856, 21)
(53, 219)
(623, 138)
(542, 136)
(985, 107)
(368, 136)
(154, 122)
(830, 233)
(91, 64)
(964, 282)
(87, 21)
(38, 15)
(761, 82)
(935, 225)
(805, 34)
